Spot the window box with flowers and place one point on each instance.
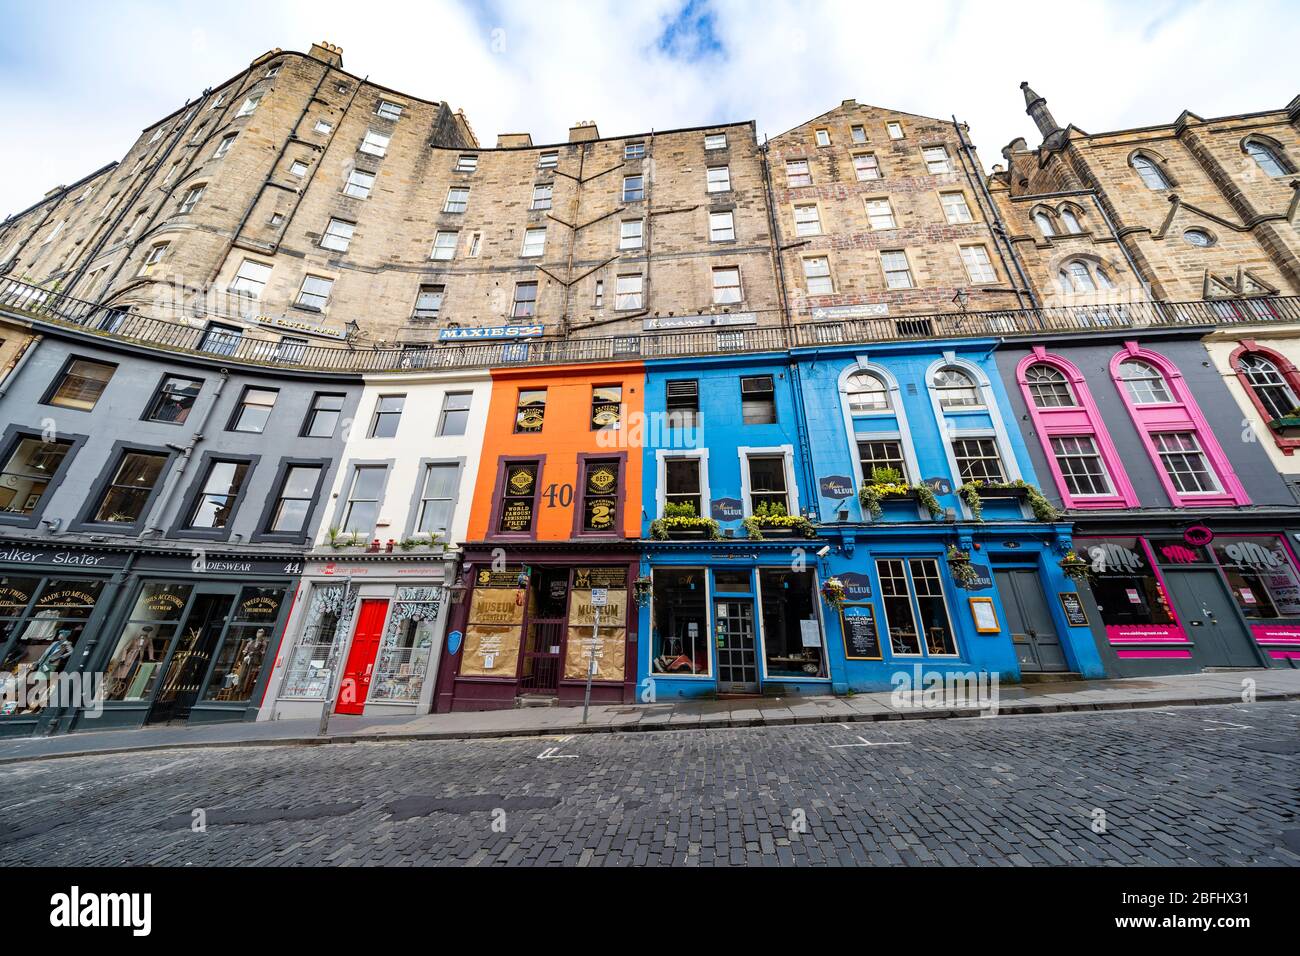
(680, 522)
(1287, 425)
(887, 484)
(974, 493)
(770, 518)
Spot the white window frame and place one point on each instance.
(375, 143)
(730, 227)
(533, 247)
(634, 240)
(331, 238)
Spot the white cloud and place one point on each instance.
(82, 79)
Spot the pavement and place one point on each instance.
(1176, 786)
(1011, 700)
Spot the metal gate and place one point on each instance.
(540, 673)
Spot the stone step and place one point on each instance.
(1048, 677)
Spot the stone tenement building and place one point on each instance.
(296, 202)
(1190, 210)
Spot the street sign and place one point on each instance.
(600, 597)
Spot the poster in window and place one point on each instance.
(600, 500)
(609, 643)
(517, 515)
(606, 407)
(861, 639)
(492, 636)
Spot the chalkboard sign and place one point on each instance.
(1072, 605)
(861, 641)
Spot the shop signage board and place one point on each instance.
(665, 323)
(940, 486)
(857, 586)
(983, 579)
(727, 509)
(861, 639)
(836, 487)
(488, 333)
(60, 557)
(867, 310)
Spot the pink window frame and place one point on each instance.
(1081, 420)
(1183, 414)
(1288, 372)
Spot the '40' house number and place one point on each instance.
(558, 495)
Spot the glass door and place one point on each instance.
(737, 664)
(184, 671)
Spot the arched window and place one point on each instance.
(1049, 387)
(1072, 224)
(956, 389)
(1267, 157)
(1150, 172)
(1198, 237)
(1082, 275)
(1045, 226)
(1269, 385)
(866, 393)
(1144, 383)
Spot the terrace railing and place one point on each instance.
(222, 343)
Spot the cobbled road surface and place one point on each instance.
(1196, 785)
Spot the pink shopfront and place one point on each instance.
(1194, 599)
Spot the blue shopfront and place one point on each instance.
(729, 588)
(934, 526)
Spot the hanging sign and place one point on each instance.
(727, 509)
(857, 586)
(837, 487)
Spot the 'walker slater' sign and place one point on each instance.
(483, 333)
(65, 558)
(727, 509)
(837, 487)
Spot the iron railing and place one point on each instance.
(238, 347)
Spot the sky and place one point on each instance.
(80, 78)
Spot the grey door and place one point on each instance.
(1210, 620)
(1030, 621)
(737, 666)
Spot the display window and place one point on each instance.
(586, 644)
(680, 628)
(1260, 575)
(1125, 585)
(315, 657)
(792, 633)
(404, 655)
(40, 636)
(600, 496)
(239, 659)
(133, 669)
(915, 609)
(494, 627)
(519, 498)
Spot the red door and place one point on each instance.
(355, 686)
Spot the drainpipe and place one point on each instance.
(997, 227)
(173, 480)
(18, 366)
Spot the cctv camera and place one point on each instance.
(823, 551)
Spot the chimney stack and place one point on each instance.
(583, 131)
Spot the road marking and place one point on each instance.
(870, 743)
(552, 753)
(1228, 725)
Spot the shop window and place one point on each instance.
(131, 488)
(606, 407)
(455, 414)
(680, 626)
(600, 491)
(27, 471)
(323, 416)
(977, 460)
(361, 510)
(767, 484)
(1260, 575)
(403, 658)
(316, 655)
(293, 503)
(530, 410)
(387, 415)
(518, 498)
(253, 410)
(682, 489)
(80, 384)
(438, 498)
(41, 635)
(758, 400)
(173, 400)
(243, 650)
(220, 492)
(792, 637)
(911, 593)
(134, 668)
(682, 401)
(1124, 584)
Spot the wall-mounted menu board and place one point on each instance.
(861, 639)
(1075, 613)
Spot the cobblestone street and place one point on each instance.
(1196, 785)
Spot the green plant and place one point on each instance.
(1075, 568)
(960, 567)
(681, 516)
(773, 515)
(889, 481)
(1043, 509)
(833, 592)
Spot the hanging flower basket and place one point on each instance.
(959, 566)
(641, 590)
(833, 592)
(1076, 568)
